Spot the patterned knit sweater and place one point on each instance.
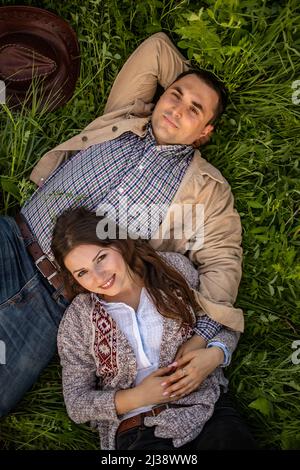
(97, 360)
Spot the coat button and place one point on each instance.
(114, 128)
(84, 138)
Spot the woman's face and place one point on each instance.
(99, 269)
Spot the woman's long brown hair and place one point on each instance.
(167, 288)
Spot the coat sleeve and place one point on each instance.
(84, 402)
(219, 258)
(155, 61)
(223, 335)
(227, 337)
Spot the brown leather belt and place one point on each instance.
(42, 262)
(138, 420)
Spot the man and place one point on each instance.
(129, 154)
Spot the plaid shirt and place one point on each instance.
(128, 168)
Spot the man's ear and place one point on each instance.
(204, 136)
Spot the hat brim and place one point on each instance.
(50, 40)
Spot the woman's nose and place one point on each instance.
(99, 276)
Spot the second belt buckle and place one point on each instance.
(55, 272)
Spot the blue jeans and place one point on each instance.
(30, 312)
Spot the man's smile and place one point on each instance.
(169, 121)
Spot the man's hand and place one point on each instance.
(195, 342)
(192, 369)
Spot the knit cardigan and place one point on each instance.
(97, 361)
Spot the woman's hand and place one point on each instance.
(148, 392)
(192, 368)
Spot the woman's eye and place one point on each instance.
(81, 273)
(101, 257)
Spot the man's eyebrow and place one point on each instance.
(194, 103)
(76, 271)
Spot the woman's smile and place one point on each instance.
(109, 283)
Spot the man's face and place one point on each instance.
(182, 114)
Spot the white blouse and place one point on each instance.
(143, 329)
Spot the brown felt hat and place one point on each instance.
(41, 49)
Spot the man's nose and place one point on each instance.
(178, 111)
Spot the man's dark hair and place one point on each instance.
(213, 82)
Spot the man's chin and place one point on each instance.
(164, 138)
(167, 142)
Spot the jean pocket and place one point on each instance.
(33, 303)
(27, 291)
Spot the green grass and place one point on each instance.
(254, 46)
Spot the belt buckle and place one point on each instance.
(166, 405)
(39, 260)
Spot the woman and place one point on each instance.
(118, 339)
